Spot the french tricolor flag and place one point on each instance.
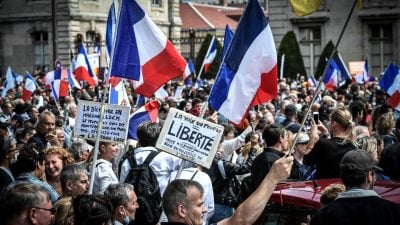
(248, 75)
(189, 69)
(59, 86)
(210, 56)
(83, 71)
(118, 95)
(332, 77)
(57, 80)
(148, 112)
(29, 87)
(142, 52)
(390, 82)
(312, 81)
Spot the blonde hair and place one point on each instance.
(64, 212)
(370, 145)
(343, 117)
(384, 123)
(64, 155)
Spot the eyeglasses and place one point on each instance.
(51, 210)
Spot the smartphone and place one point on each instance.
(316, 117)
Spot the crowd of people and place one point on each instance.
(44, 171)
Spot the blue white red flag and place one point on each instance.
(118, 95)
(148, 112)
(344, 71)
(227, 39)
(248, 75)
(58, 80)
(10, 82)
(332, 78)
(189, 69)
(312, 81)
(83, 71)
(390, 82)
(142, 52)
(365, 76)
(29, 87)
(72, 81)
(210, 56)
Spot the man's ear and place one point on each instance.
(181, 211)
(69, 185)
(33, 216)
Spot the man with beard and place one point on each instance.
(359, 204)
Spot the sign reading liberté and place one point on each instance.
(114, 126)
(191, 138)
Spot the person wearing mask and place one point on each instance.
(124, 202)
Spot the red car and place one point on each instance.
(291, 202)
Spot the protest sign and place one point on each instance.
(114, 126)
(191, 138)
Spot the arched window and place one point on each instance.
(40, 44)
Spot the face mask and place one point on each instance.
(14, 159)
(126, 219)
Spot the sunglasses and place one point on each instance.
(51, 210)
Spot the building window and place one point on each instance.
(310, 47)
(156, 3)
(40, 43)
(381, 41)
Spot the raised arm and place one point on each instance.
(249, 211)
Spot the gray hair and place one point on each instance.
(20, 197)
(119, 193)
(70, 173)
(78, 146)
(41, 117)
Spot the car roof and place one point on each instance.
(308, 194)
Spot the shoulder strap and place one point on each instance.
(221, 168)
(289, 124)
(150, 157)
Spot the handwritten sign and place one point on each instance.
(191, 138)
(356, 67)
(114, 126)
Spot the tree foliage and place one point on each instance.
(202, 53)
(293, 63)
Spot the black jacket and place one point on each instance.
(262, 165)
(226, 190)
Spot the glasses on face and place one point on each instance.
(51, 210)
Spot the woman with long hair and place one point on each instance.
(326, 154)
(56, 159)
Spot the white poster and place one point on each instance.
(115, 122)
(191, 138)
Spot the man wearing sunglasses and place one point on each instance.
(24, 204)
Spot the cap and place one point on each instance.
(356, 162)
(303, 138)
(290, 110)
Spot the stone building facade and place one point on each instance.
(372, 32)
(36, 32)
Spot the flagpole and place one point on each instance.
(100, 124)
(322, 77)
(208, 52)
(282, 64)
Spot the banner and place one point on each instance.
(191, 138)
(114, 126)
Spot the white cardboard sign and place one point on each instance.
(191, 138)
(114, 126)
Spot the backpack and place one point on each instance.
(144, 180)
